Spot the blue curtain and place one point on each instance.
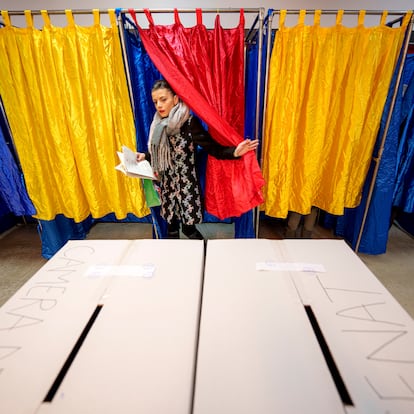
(13, 195)
(404, 188)
(375, 234)
(55, 233)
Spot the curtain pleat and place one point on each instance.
(66, 96)
(323, 112)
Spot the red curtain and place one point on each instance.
(206, 69)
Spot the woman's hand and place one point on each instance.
(246, 146)
(140, 156)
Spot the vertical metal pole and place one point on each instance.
(268, 56)
(258, 101)
(377, 159)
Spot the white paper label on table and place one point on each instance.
(290, 267)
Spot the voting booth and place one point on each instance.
(226, 326)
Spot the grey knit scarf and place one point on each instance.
(160, 129)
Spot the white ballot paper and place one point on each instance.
(131, 167)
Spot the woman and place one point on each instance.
(173, 139)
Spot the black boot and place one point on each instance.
(173, 229)
(191, 232)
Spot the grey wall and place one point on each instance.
(188, 19)
(275, 4)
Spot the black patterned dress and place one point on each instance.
(180, 187)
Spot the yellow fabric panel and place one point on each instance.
(326, 92)
(66, 98)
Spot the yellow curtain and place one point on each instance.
(65, 94)
(326, 92)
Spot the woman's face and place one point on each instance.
(164, 101)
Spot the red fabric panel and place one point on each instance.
(206, 69)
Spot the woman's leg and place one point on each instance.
(174, 229)
(309, 222)
(191, 232)
(292, 224)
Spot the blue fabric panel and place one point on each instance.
(251, 85)
(13, 194)
(404, 190)
(404, 187)
(244, 226)
(55, 233)
(408, 85)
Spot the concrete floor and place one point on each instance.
(20, 253)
